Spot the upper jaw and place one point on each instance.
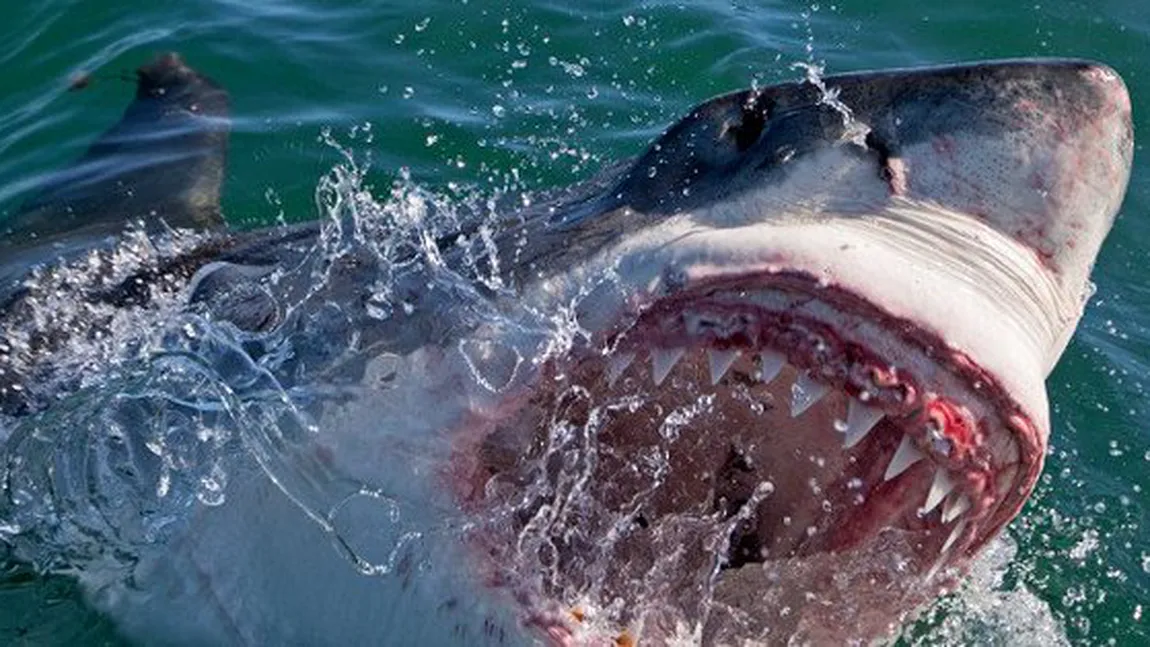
(982, 296)
(898, 208)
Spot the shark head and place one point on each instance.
(819, 320)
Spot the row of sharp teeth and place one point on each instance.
(805, 392)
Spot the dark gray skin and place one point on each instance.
(1035, 153)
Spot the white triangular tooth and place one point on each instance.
(663, 360)
(905, 456)
(939, 488)
(771, 364)
(616, 364)
(955, 506)
(805, 392)
(860, 420)
(721, 361)
(954, 535)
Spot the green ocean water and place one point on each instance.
(533, 94)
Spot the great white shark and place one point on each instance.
(778, 379)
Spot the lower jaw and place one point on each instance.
(718, 504)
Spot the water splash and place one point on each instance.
(164, 409)
(991, 608)
(854, 131)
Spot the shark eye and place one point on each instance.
(746, 128)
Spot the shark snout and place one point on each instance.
(1093, 144)
(1039, 150)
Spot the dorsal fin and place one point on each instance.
(162, 163)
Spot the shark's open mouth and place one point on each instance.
(780, 420)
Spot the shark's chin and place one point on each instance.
(734, 437)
